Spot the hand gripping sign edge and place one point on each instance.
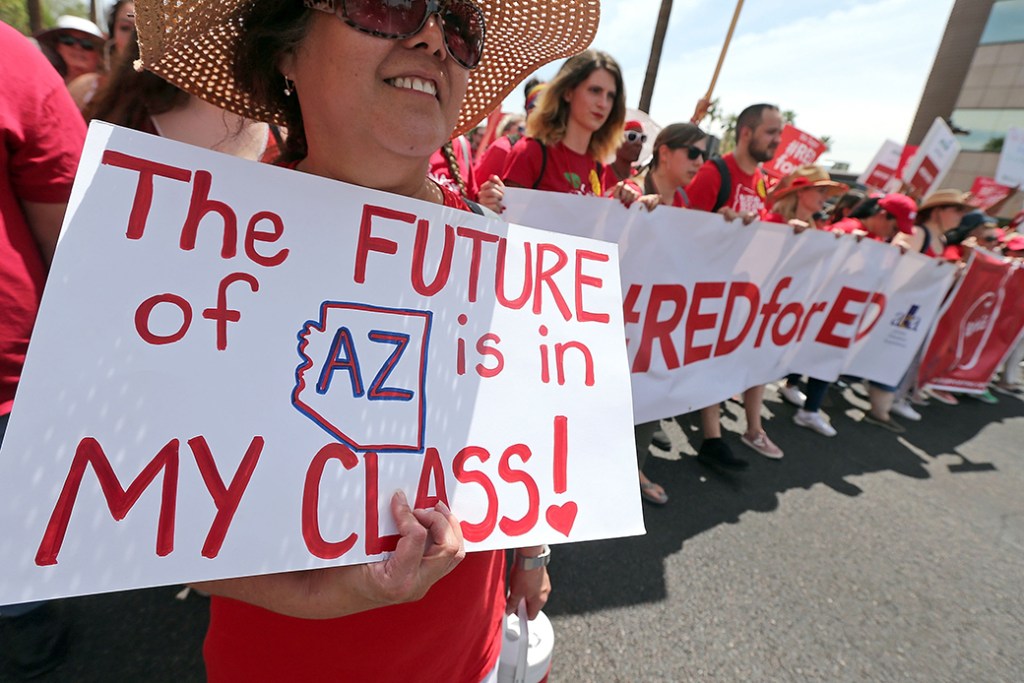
(377, 391)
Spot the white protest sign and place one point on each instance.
(882, 168)
(1010, 171)
(933, 159)
(241, 363)
(713, 308)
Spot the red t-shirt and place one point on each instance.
(849, 226)
(748, 190)
(492, 161)
(565, 170)
(442, 175)
(42, 133)
(452, 634)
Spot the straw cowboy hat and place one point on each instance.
(805, 177)
(945, 198)
(192, 45)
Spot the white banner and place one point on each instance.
(881, 172)
(236, 365)
(933, 159)
(1010, 171)
(713, 308)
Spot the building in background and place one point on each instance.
(977, 85)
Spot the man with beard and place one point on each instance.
(758, 133)
(734, 187)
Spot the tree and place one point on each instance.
(15, 13)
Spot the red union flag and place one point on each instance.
(987, 192)
(797, 148)
(977, 329)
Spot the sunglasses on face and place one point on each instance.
(693, 153)
(633, 136)
(65, 39)
(988, 238)
(461, 21)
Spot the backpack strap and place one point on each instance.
(927, 240)
(543, 163)
(725, 189)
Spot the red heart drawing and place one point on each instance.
(562, 517)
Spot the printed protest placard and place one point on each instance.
(1010, 171)
(713, 308)
(986, 193)
(979, 325)
(796, 148)
(883, 166)
(933, 159)
(236, 365)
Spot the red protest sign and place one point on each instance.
(987, 192)
(798, 149)
(977, 329)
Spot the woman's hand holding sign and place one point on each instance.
(430, 546)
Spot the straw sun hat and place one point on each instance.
(805, 177)
(945, 198)
(192, 45)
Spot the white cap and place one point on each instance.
(67, 22)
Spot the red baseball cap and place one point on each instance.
(635, 125)
(902, 208)
(1015, 243)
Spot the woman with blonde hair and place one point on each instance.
(578, 122)
(368, 91)
(796, 199)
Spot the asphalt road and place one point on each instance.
(867, 557)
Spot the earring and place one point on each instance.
(289, 87)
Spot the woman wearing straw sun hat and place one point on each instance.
(795, 201)
(939, 213)
(368, 91)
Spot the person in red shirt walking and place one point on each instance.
(734, 187)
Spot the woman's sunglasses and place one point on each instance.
(462, 22)
(693, 153)
(633, 136)
(69, 40)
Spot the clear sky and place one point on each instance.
(850, 69)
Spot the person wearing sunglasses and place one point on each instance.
(579, 121)
(121, 30)
(680, 149)
(74, 46)
(795, 201)
(884, 219)
(975, 229)
(368, 91)
(623, 167)
(939, 213)
(879, 218)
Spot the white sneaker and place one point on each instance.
(792, 395)
(814, 421)
(905, 410)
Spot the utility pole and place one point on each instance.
(35, 16)
(660, 29)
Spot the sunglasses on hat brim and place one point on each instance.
(634, 135)
(461, 21)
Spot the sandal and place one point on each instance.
(653, 493)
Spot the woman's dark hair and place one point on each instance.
(271, 29)
(675, 136)
(866, 209)
(845, 203)
(129, 97)
(112, 17)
